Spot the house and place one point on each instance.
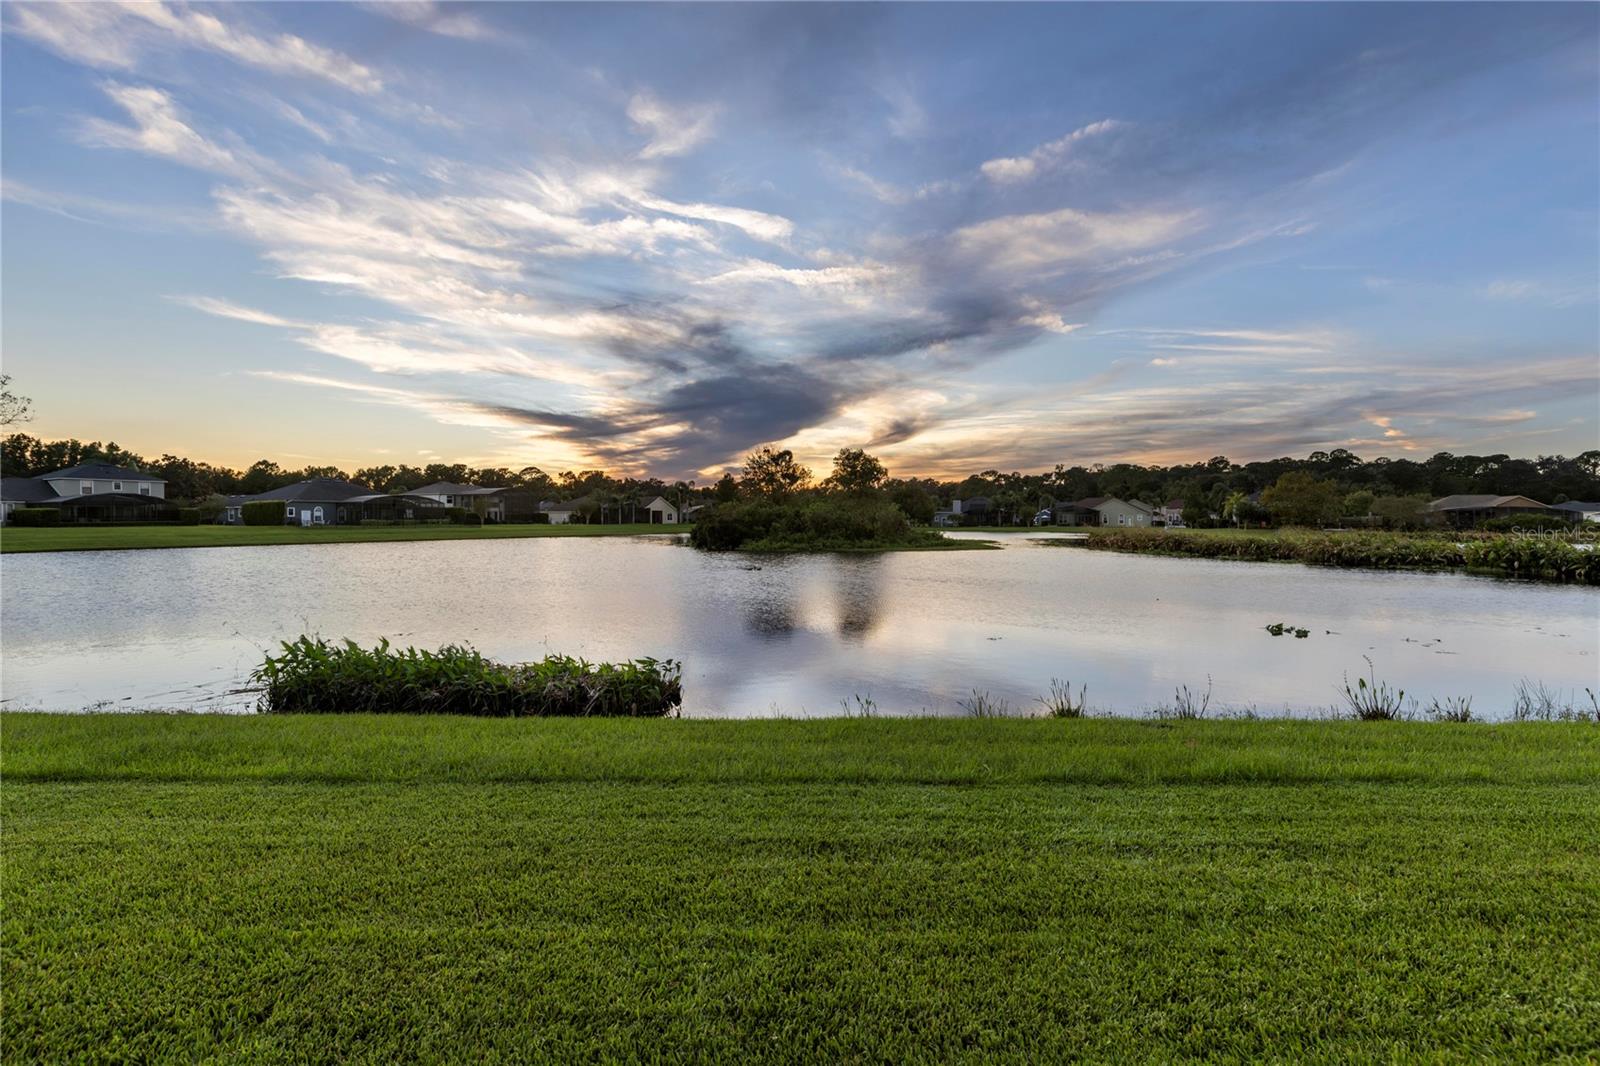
(494, 504)
(321, 501)
(662, 512)
(560, 512)
(1468, 510)
(1171, 513)
(970, 512)
(1580, 511)
(120, 494)
(88, 479)
(1104, 511)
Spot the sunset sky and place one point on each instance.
(651, 238)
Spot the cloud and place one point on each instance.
(227, 309)
(673, 130)
(1049, 156)
(116, 35)
(445, 20)
(1052, 238)
(159, 129)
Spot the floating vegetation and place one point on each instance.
(1278, 629)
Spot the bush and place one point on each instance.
(824, 524)
(35, 516)
(188, 516)
(314, 676)
(263, 513)
(1532, 522)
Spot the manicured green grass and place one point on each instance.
(110, 538)
(400, 889)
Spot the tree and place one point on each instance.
(1298, 499)
(1402, 512)
(726, 490)
(1232, 505)
(855, 473)
(13, 408)
(773, 474)
(1358, 504)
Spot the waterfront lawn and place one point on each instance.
(400, 889)
(111, 538)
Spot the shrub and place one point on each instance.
(188, 516)
(1062, 703)
(35, 516)
(808, 525)
(315, 676)
(263, 513)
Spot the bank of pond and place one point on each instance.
(1535, 556)
(315, 676)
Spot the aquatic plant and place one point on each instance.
(1375, 702)
(1452, 709)
(1190, 705)
(983, 705)
(316, 676)
(1061, 703)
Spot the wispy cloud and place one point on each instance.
(447, 20)
(1051, 155)
(672, 130)
(115, 35)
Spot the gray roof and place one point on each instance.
(450, 488)
(1479, 502)
(1577, 505)
(26, 490)
(102, 472)
(317, 490)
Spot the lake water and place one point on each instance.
(914, 632)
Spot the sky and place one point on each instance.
(653, 238)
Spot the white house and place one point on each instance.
(662, 512)
(486, 501)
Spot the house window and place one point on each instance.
(289, 512)
(316, 516)
(116, 486)
(144, 490)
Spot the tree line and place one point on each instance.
(1325, 483)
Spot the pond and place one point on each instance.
(913, 633)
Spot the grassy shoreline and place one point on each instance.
(1534, 558)
(131, 538)
(136, 538)
(395, 889)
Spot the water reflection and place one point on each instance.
(858, 594)
(915, 632)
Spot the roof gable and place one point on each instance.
(101, 472)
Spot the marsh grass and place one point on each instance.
(1451, 709)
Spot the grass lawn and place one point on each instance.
(400, 889)
(104, 538)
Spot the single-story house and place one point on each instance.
(327, 501)
(662, 512)
(1468, 510)
(491, 503)
(560, 512)
(1580, 510)
(1104, 511)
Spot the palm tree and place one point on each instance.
(1230, 506)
